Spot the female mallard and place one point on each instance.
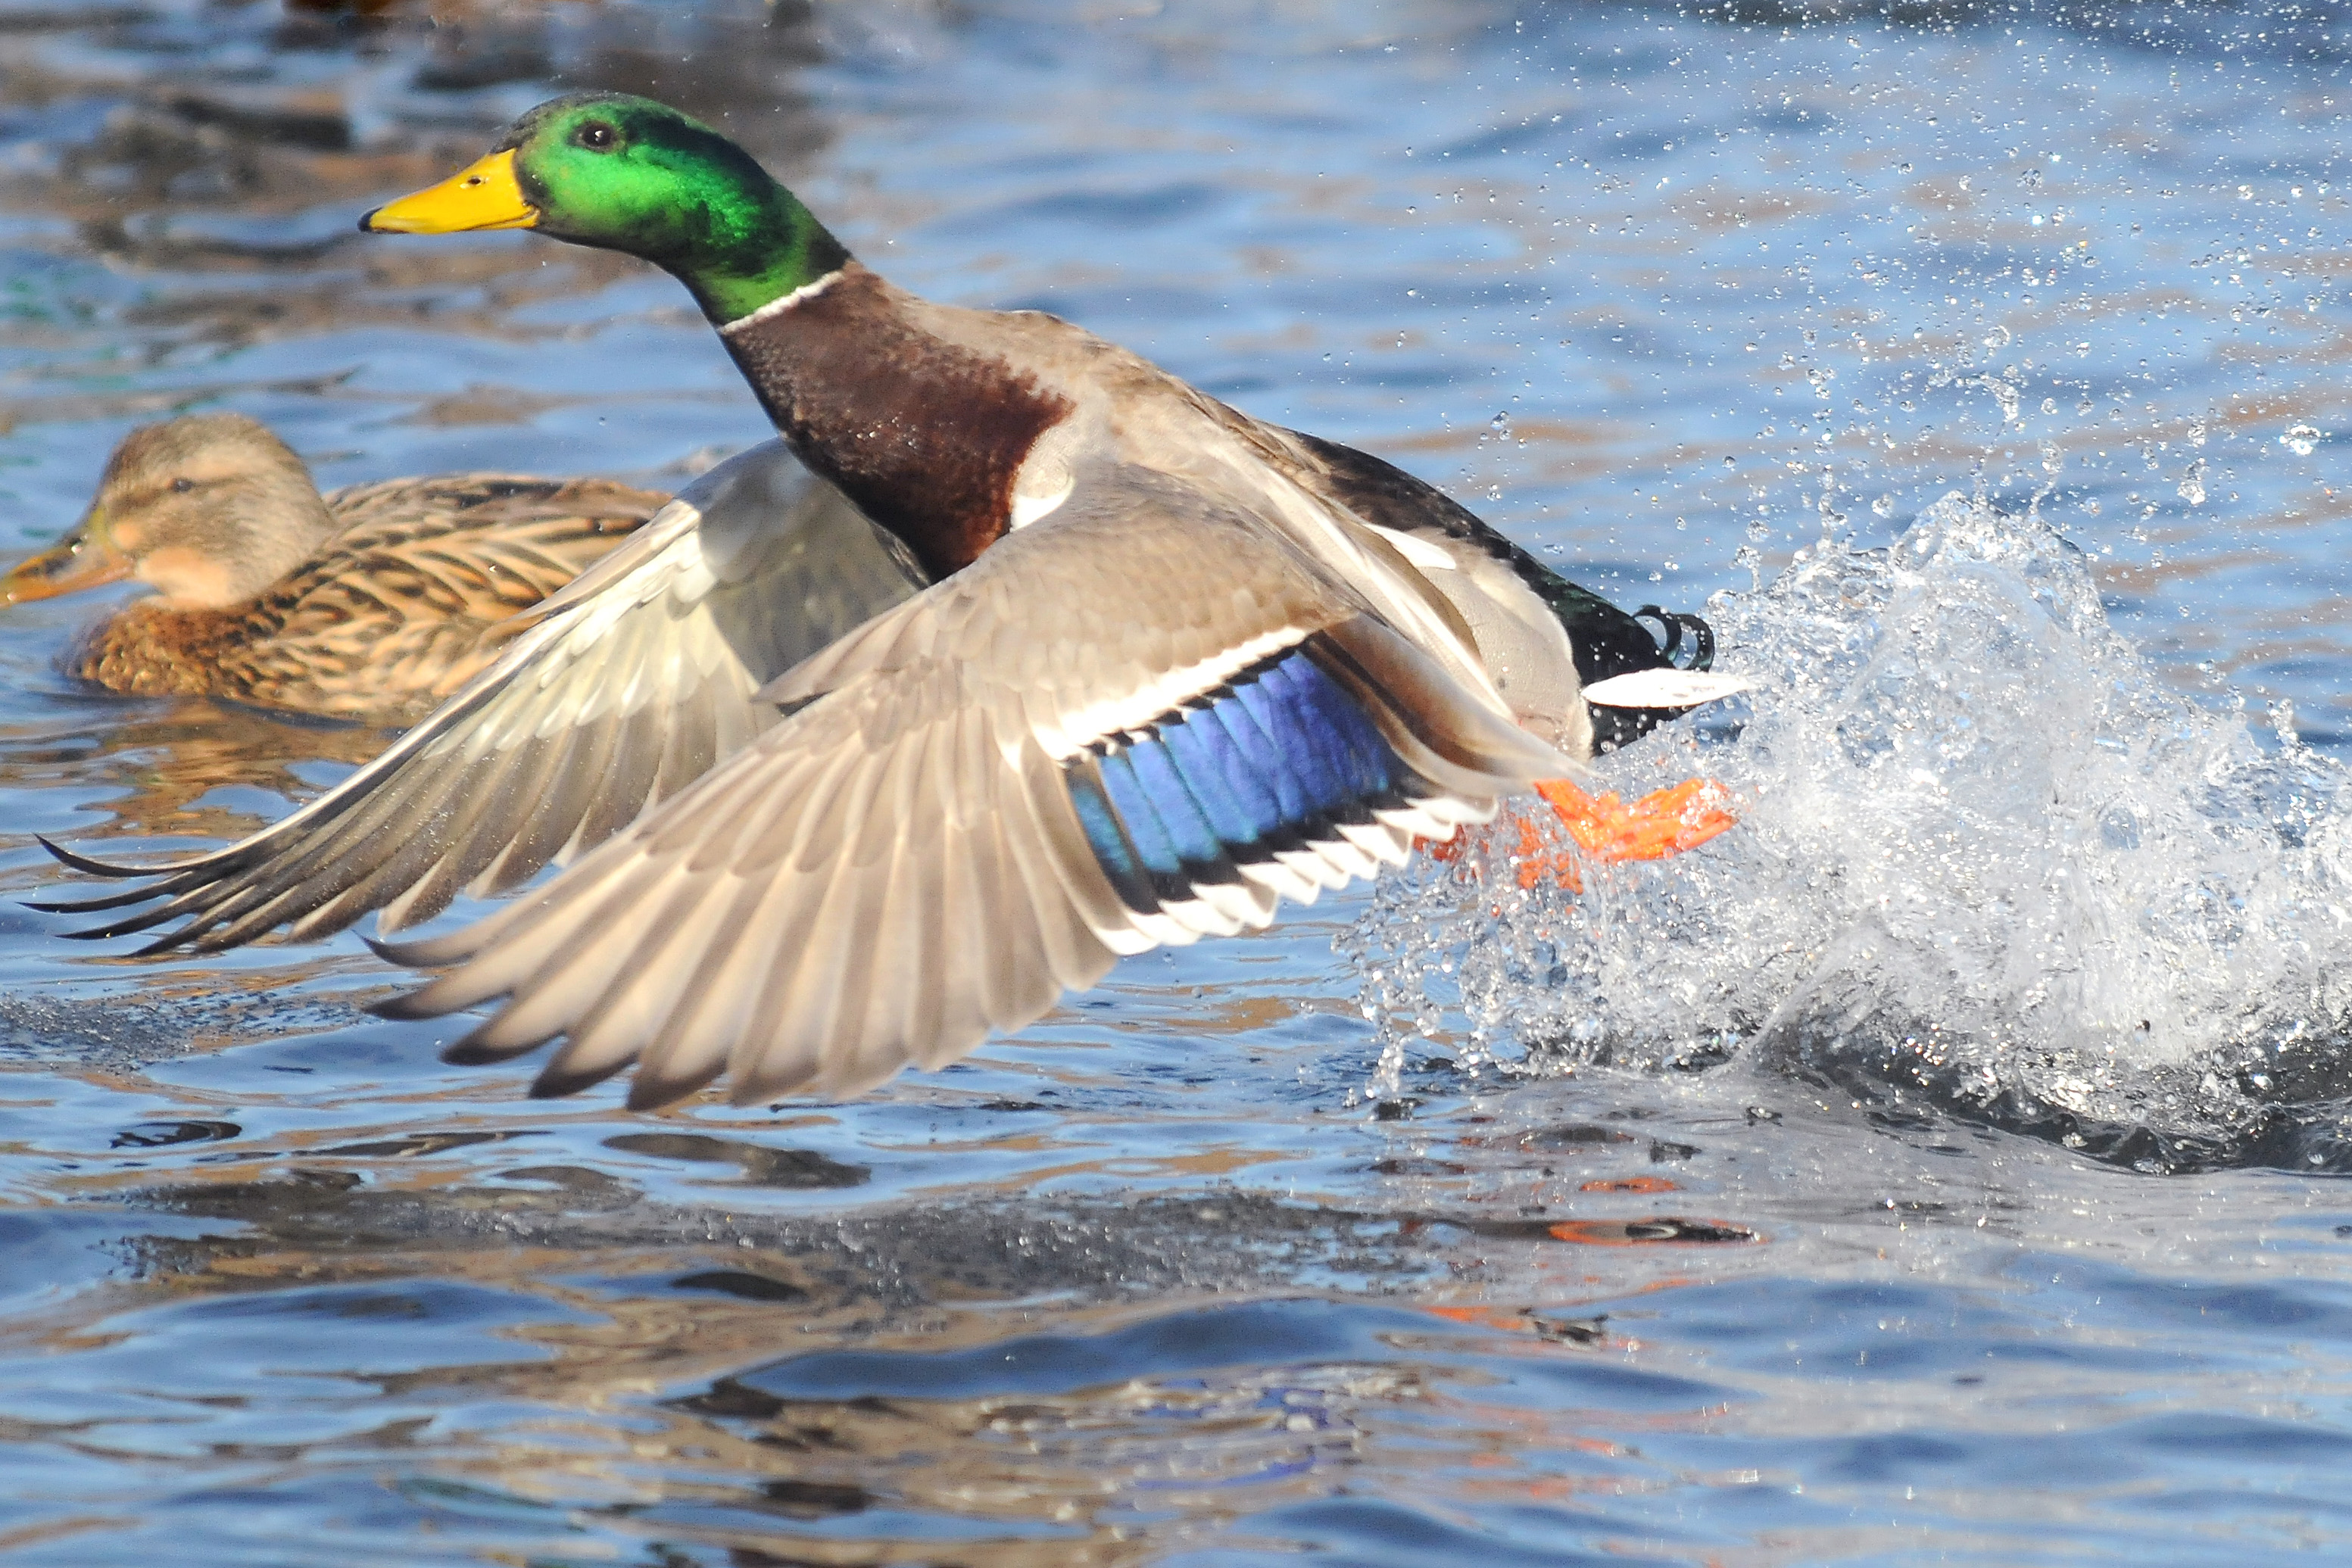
(1173, 664)
(372, 603)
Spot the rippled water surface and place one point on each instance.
(1944, 1167)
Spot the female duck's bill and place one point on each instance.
(83, 560)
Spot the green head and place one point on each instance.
(630, 175)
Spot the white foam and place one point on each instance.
(1989, 860)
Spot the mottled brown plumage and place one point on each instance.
(372, 603)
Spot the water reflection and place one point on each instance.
(819, 1389)
(170, 769)
(536, 1359)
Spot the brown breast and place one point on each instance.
(926, 436)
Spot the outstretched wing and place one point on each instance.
(1526, 615)
(1139, 721)
(612, 693)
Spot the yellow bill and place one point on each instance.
(83, 559)
(482, 196)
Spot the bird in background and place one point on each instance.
(374, 603)
(1136, 666)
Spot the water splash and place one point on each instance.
(1992, 865)
(2192, 483)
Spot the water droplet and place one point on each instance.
(2300, 438)
(2193, 484)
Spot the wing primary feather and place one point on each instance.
(905, 942)
(541, 833)
(316, 873)
(631, 1014)
(768, 1045)
(618, 807)
(684, 1059)
(585, 772)
(819, 1010)
(461, 845)
(210, 909)
(652, 1088)
(654, 981)
(171, 886)
(123, 900)
(841, 969)
(685, 754)
(580, 979)
(871, 1011)
(405, 872)
(493, 958)
(73, 860)
(728, 979)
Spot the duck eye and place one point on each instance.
(184, 485)
(596, 136)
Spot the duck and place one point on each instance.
(371, 604)
(1157, 665)
(604, 698)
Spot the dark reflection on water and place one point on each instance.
(1169, 1279)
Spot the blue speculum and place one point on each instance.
(1272, 760)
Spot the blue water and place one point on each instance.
(1943, 1168)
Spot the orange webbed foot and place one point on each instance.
(1608, 829)
(1665, 822)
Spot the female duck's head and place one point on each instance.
(209, 509)
(626, 174)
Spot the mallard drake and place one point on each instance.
(1172, 663)
(374, 603)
